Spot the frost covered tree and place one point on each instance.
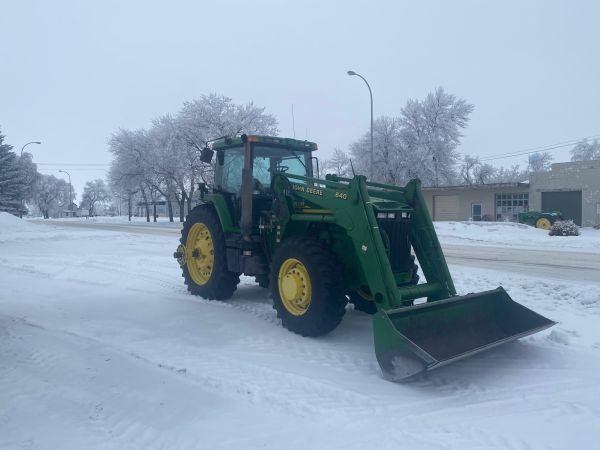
(177, 167)
(512, 174)
(389, 156)
(338, 164)
(484, 173)
(467, 168)
(12, 187)
(50, 194)
(421, 142)
(29, 176)
(165, 160)
(211, 117)
(432, 129)
(539, 162)
(586, 150)
(95, 193)
(130, 169)
(473, 171)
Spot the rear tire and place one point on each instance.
(543, 223)
(307, 287)
(220, 284)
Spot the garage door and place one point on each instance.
(566, 202)
(445, 207)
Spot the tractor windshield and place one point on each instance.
(267, 160)
(275, 159)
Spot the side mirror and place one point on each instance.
(206, 155)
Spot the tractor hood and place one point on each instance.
(388, 208)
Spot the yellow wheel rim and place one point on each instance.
(543, 223)
(294, 286)
(199, 253)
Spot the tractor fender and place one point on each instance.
(220, 205)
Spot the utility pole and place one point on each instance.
(352, 73)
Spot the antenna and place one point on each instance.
(293, 122)
(352, 167)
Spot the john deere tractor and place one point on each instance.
(318, 244)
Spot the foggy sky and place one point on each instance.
(71, 73)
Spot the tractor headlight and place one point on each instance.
(386, 215)
(391, 215)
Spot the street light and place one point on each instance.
(32, 142)
(352, 73)
(70, 188)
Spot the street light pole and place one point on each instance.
(352, 73)
(70, 188)
(32, 142)
(21, 165)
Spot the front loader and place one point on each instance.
(319, 243)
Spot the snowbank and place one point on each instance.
(508, 234)
(14, 229)
(114, 219)
(10, 223)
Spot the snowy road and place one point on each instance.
(102, 347)
(561, 265)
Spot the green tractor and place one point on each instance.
(542, 220)
(318, 244)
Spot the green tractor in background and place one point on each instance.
(319, 243)
(542, 220)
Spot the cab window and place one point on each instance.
(231, 171)
(273, 159)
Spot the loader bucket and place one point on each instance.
(423, 337)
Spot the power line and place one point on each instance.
(528, 151)
(75, 169)
(73, 164)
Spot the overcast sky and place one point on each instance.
(73, 72)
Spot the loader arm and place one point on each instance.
(408, 338)
(348, 203)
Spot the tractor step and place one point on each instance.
(423, 337)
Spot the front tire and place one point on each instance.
(203, 256)
(307, 287)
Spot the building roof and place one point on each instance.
(524, 185)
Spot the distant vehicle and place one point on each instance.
(543, 220)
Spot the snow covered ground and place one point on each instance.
(515, 235)
(102, 347)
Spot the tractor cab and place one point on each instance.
(246, 165)
(268, 156)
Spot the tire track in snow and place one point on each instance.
(55, 374)
(293, 393)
